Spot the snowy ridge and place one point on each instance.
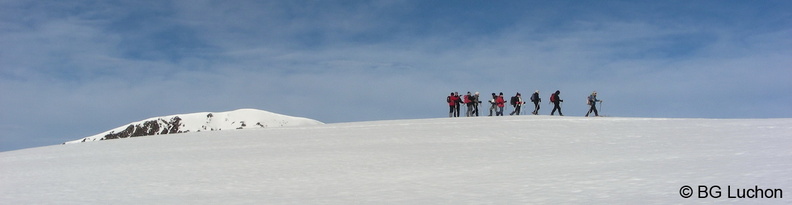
(198, 122)
(484, 160)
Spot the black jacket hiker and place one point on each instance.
(556, 100)
(536, 100)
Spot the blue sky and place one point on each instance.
(70, 69)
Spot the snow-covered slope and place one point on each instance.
(202, 121)
(485, 160)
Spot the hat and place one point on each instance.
(537, 91)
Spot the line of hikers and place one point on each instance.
(497, 103)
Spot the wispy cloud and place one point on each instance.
(89, 66)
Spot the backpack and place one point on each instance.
(534, 97)
(467, 99)
(514, 100)
(553, 97)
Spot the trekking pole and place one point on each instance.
(505, 107)
(600, 110)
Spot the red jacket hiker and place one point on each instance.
(500, 101)
(452, 99)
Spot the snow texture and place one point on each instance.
(197, 122)
(485, 160)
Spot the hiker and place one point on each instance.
(536, 100)
(556, 102)
(456, 104)
(494, 104)
(476, 103)
(452, 99)
(517, 102)
(592, 101)
(501, 103)
(469, 102)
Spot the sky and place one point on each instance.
(71, 69)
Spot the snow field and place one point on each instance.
(485, 160)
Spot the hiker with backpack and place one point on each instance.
(452, 102)
(493, 104)
(536, 100)
(501, 103)
(517, 102)
(592, 101)
(556, 102)
(469, 102)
